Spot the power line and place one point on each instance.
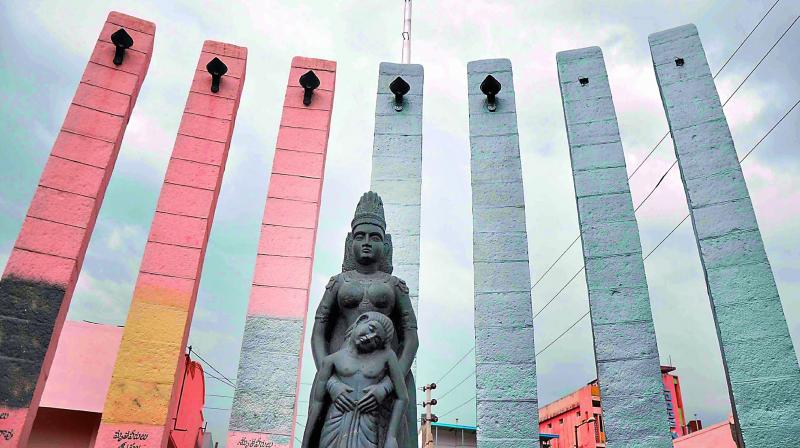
(769, 132)
(457, 408)
(761, 60)
(471, 374)
(750, 151)
(220, 396)
(210, 375)
(635, 170)
(192, 350)
(216, 409)
(456, 364)
(562, 334)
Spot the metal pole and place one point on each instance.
(406, 59)
(428, 441)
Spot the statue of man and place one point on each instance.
(365, 285)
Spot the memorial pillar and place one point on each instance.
(142, 398)
(397, 167)
(265, 401)
(757, 352)
(626, 353)
(504, 349)
(40, 276)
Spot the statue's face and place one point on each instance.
(368, 245)
(368, 335)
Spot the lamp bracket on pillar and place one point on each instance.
(491, 87)
(217, 69)
(122, 41)
(399, 87)
(309, 81)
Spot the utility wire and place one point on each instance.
(457, 363)
(761, 60)
(635, 170)
(562, 334)
(213, 368)
(216, 409)
(471, 374)
(457, 407)
(210, 375)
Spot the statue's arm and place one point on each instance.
(322, 319)
(410, 339)
(397, 376)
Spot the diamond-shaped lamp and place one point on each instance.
(399, 87)
(491, 87)
(216, 68)
(309, 81)
(122, 41)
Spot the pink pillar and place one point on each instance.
(142, 398)
(265, 402)
(41, 273)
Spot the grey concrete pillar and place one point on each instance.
(760, 362)
(397, 177)
(634, 411)
(504, 349)
(397, 167)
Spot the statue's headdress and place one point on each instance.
(368, 211)
(381, 319)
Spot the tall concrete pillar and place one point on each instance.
(760, 361)
(504, 349)
(626, 354)
(265, 401)
(141, 401)
(397, 175)
(397, 167)
(39, 279)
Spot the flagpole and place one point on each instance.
(407, 33)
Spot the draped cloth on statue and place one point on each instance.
(349, 430)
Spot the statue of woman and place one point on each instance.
(366, 285)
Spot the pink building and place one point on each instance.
(75, 392)
(562, 416)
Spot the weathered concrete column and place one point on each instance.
(504, 349)
(41, 273)
(397, 167)
(265, 402)
(141, 401)
(625, 347)
(760, 361)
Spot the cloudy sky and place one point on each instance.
(44, 47)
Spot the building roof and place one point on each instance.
(542, 436)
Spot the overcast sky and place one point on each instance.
(44, 47)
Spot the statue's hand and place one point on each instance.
(341, 394)
(373, 396)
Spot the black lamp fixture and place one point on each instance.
(399, 87)
(491, 87)
(122, 41)
(217, 69)
(309, 81)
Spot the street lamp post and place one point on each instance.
(588, 420)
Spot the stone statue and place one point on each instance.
(356, 389)
(363, 362)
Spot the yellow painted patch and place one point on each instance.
(130, 401)
(151, 322)
(148, 361)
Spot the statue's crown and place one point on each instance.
(369, 211)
